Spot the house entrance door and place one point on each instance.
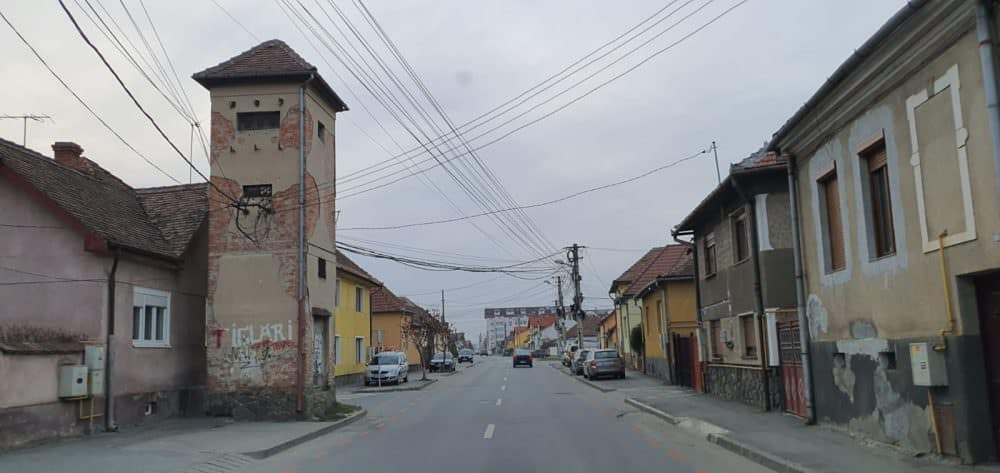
(790, 356)
(988, 299)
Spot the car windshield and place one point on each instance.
(440, 356)
(385, 360)
(465, 352)
(606, 354)
(521, 352)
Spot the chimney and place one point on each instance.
(70, 154)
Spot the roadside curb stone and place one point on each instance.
(391, 389)
(759, 456)
(281, 447)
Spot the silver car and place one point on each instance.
(388, 367)
(606, 362)
(580, 359)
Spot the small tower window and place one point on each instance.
(247, 121)
(321, 131)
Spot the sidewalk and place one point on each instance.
(200, 444)
(775, 440)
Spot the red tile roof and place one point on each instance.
(156, 221)
(350, 267)
(383, 300)
(541, 321)
(590, 326)
(268, 60)
(633, 271)
(663, 261)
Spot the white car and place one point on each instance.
(388, 367)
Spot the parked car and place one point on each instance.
(465, 354)
(540, 353)
(508, 352)
(606, 362)
(522, 357)
(568, 355)
(388, 367)
(443, 362)
(579, 360)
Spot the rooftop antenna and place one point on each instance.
(25, 118)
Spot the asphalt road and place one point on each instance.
(494, 418)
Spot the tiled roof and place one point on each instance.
(383, 300)
(541, 321)
(759, 159)
(659, 265)
(177, 211)
(271, 59)
(350, 267)
(106, 206)
(590, 326)
(633, 271)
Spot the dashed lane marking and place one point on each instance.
(503, 388)
(676, 455)
(345, 442)
(489, 431)
(499, 401)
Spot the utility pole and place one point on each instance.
(445, 325)
(573, 255)
(715, 152)
(561, 312)
(25, 118)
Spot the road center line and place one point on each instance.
(489, 431)
(505, 378)
(499, 401)
(503, 388)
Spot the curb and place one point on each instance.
(761, 457)
(415, 387)
(281, 447)
(754, 454)
(584, 381)
(672, 420)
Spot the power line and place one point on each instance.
(353, 191)
(231, 17)
(540, 204)
(83, 102)
(139, 105)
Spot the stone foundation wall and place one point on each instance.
(744, 385)
(658, 368)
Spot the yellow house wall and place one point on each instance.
(351, 324)
(651, 326)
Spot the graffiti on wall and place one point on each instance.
(255, 345)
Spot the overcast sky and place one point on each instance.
(735, 82)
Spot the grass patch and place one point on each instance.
(339, 411)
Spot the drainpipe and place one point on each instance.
(751, 211)
(697, 292)
(109, 359)
(667, 347)
(984, 16)
(800, 293)
(301, 371)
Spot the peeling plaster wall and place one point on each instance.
(864, 316)
(252, 307)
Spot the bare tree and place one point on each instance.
(421, 332)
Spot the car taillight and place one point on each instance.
(593, 363)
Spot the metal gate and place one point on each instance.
(684, 361)
(790, 355)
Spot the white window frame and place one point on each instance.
(359, 349)
(336, 349)
(336, 293)
(138, 300)
(359, 296)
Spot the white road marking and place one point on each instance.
(499, 401)
(503, 388)
(505, 378)
(489, 431)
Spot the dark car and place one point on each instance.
(580, 358)
(508, 352)
(465, 354)
(539, 353)
(604, 362)
(443, 362)
(522, 357)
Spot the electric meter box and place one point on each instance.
(928, 365)
(72, 381)
(93, 357)
(96, 386)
